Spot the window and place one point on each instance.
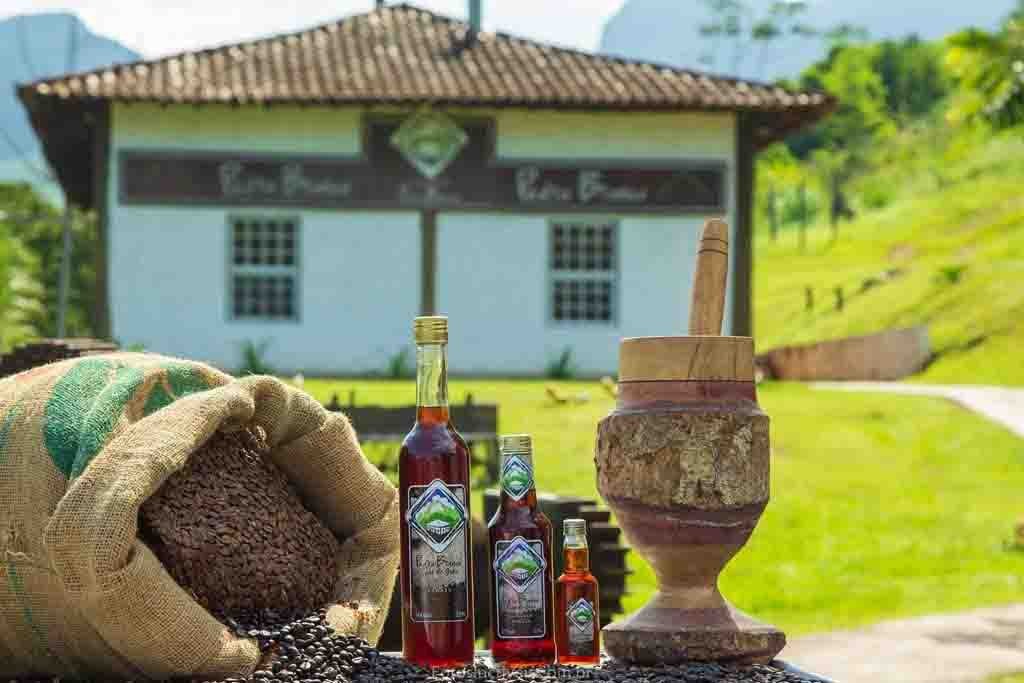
(264, 268)
(583, 271)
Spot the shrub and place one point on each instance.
(254, 358)
(562, 367)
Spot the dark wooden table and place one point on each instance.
(484, 656)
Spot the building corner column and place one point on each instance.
(742, 251)
(101, 323)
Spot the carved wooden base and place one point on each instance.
(655, 635)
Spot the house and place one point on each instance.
(317, 190)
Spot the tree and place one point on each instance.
(738, 30)
(34, 229)
(989, 72)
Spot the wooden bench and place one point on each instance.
(477, 423)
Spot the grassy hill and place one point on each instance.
(951, 237)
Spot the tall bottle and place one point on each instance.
(433, 473)
(522, 575)
(577, 601)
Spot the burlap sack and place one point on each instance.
(84, 442)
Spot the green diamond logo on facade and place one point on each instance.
(519, 565)
(430, 141)
(437, 516)
(581, 614)
(516, 477)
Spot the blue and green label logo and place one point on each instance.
(516, 477)
(437, 516)
(518, 563)
(581, 614)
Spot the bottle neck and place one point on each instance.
(432, 383)
(518, 489)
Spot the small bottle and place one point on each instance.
(522, 575)
(577, 602)
(433, 473)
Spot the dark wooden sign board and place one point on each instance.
(383, 179)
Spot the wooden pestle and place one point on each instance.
(707, 305)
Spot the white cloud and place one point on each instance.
(158, 27)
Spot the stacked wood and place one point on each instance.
(46, 351)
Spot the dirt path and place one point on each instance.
(956, 648)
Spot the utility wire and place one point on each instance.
(41, 174)
(72, 53)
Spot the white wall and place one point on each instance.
(494, 284)
(493, 278)
(360, 271)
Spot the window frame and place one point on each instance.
(295, 270)
(552, 275)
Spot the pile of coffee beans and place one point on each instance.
(305, 649)
(231, 528)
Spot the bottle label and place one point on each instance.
(516, 477)
(438, 552)
(519, 569)
(581, 628)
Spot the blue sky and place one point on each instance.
(158, 27)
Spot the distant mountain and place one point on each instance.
(34, 46)
(668, 31)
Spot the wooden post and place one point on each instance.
(64, 285)
(803, 216)
(742, 259)
(101, 326)
(428, 263)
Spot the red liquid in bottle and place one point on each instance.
(577, 603)
(522, 575)
(437, 562)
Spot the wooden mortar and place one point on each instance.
(683, 462)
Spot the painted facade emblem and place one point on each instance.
(519, 565)
(430, 141)
(438, 516)
(581, 614)
(516, 477)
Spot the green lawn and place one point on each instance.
(882, 506)
(1007, 678)
(960, 250)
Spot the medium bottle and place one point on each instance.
(433, 473)
(522, 575)
(577, 602)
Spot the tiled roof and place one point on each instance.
(403, 54)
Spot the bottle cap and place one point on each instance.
(431, 329)
(575, 527)
(515, 443)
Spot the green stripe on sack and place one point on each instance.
(5, 430)
(40, 644)
(85, 406)
(182, 380)
(72, 398)
(105, 413)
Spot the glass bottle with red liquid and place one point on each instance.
(577, 601)
(522, 575)
(433, 473)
